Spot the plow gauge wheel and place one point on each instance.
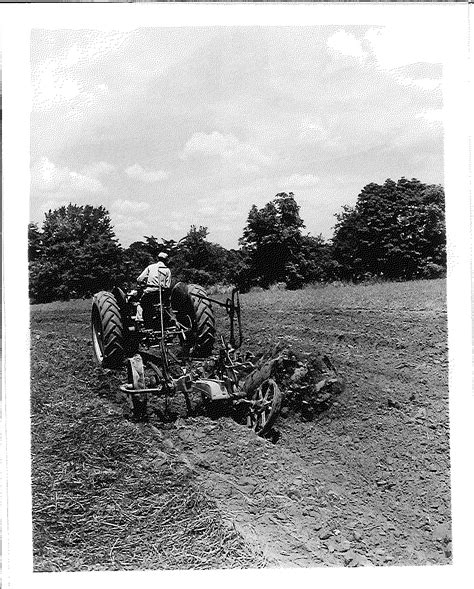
(266, 407)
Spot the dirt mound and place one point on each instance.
(310, 382)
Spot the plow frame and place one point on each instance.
(226, 375)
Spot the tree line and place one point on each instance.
(395, 231)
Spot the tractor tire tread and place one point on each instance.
(205, 321)
(113, 333)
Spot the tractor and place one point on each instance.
(172, 352)
(183, 311)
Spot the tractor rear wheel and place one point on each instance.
(196, 314)
(204, 325)
(107, 331)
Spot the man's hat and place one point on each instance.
(162, 256)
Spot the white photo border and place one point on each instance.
(16, 23)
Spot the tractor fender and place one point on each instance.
(180, 297)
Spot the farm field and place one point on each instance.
(365, 483)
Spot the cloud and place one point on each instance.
(127, 206)
(432, 116)
(312, 130)
(423, 83)
(51, 85)
(49, 178)
(300, 180)
(98, 169)
(240, 155)
(347, 44)
(46, 176)
(127, 229)
(179, 227)
(138, 173)
(424, 76)
(396, 46)
(207, 210)
(95, 47)
(83, 183)
(58, 79)
(210, 144)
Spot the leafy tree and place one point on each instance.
(45, 281)
(193, 258)
(272, 242)
(140, 254)
(237, 269)
(153, 246)
(75, 254)
(396, 230)
(316, 261)
(198, 260)
(136, 258)
(35, 242)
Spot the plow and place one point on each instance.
(176, 352)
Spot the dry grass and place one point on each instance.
(108, 493)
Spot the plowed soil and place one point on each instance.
(365, 483)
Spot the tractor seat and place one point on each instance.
(152, 297)
(150, 302)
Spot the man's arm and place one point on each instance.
(144, 275)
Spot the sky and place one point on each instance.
(168, 127)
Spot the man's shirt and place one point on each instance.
(156, 275)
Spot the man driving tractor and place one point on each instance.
(152, 278)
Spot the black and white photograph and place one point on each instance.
(241, 237)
